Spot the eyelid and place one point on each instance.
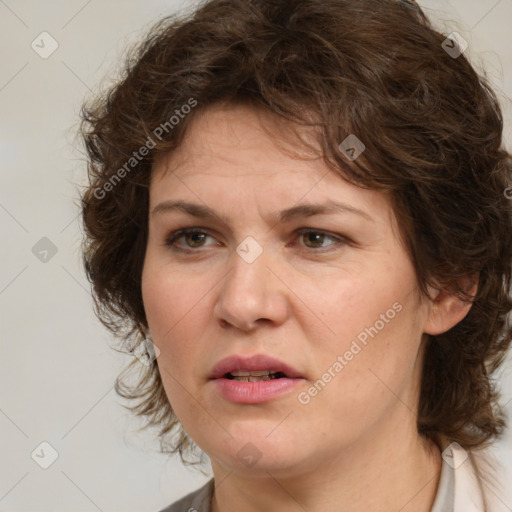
(171, 238)
(340, 240)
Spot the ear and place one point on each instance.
(446, 310)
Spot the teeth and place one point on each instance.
(254, 373)
(253, 378)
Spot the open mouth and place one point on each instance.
(255, 379)
(254, 376)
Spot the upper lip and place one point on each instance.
(252, 363)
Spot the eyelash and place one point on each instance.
(171, 240)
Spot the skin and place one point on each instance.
(354, 446)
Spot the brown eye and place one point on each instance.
(190, 239)
(314, 239)
(193, 238)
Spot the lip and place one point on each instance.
(257, 362)
(253, 392)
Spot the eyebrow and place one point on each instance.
(299, 211)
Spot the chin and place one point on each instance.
(254, 451)
(254, 463)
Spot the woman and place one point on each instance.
(299, 207)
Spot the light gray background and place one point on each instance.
(57, 370)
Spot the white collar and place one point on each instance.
(468, 491)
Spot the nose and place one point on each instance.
(251, 294)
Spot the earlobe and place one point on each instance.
(446, 309)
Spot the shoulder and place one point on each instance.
(468, 490)
(476, 479)
(196, 501)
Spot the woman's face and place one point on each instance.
(277, 271)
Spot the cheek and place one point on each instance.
(175, 312)
(168, 295)
(375, 360)
(376, 326)
(176, 317)
(357, 303)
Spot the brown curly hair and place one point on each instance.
(432, 127)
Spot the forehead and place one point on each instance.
(239, 136)
(234, 154)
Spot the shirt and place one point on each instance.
(458, 489)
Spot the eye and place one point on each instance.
(195, 238)
(314, 238)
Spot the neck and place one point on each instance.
(396, 472)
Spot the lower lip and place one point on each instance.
(254, 392)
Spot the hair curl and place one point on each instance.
(432, 127)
